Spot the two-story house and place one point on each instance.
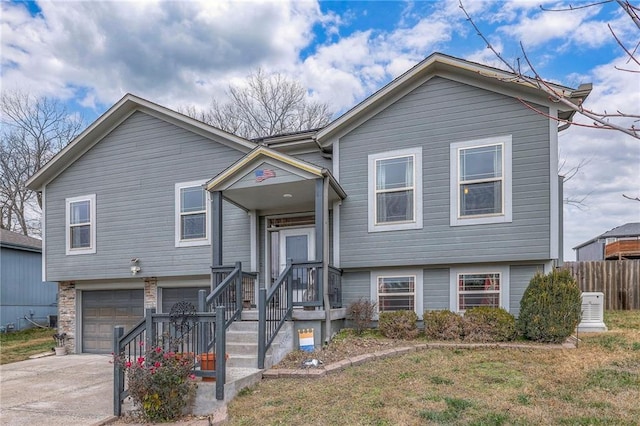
(439, 191)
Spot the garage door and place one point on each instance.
(104, 309)
(171, 296)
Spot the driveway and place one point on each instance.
(57, 390)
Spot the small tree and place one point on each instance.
(361, 313)
(550, 308)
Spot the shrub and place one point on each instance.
(550, 307)
(361, 313)
(160, 383)
(486, 324)
(442, 325)
(399, 324)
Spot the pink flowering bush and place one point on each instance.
(161, 383)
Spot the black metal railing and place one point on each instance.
(274, 308)
(233, 289)
(300, 284)
(195, 336)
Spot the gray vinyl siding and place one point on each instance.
(519, 281)
(355, 285)
(24, 295)
(133, 172)
(433, 116)
(593, 251)
(317, 159)
(436, 289)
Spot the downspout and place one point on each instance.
(325, 258)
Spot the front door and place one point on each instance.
(296, 244)
(299, 245)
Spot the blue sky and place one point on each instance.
(89, 54)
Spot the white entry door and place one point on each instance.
(298, 244)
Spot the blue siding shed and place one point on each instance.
(24, 298)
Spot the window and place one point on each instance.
(480, 286)
(481, 181)
(192, 224)
(80, 225)
(397, 290)
(478, 290)
(395, 190)
(396, 293)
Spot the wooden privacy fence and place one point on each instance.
(619, 280)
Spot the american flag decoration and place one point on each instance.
(264, 174)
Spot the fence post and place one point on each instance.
(118, 373)
(262, 326)
(239, 293)
(202, 328)
(221, 355)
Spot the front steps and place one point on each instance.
(242, 345)
(242, 365)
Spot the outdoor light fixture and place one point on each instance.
(135, 268)
(287, 195)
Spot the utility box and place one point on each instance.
(592, 313)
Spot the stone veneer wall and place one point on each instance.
(151, 293)
(67, 313)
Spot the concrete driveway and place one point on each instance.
(57, 390)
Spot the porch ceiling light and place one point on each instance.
(287, 195)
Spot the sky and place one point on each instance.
(89, 54)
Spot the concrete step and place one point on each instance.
(244, 326)
(237, 379)
(245, 361)
(242, 348)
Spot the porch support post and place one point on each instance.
(216, 228)
(325, 258)
(319, 220)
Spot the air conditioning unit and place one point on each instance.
(592, 313)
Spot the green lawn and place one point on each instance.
(19, 345)
(596, 384)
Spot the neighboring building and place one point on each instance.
(24, 298)
(622, 242)
(439, 191)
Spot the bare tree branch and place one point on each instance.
(33, 131)
(631, 198)
(601, 120)
(571, 7)
(265, 105)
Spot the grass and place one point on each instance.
(20, 345)
(596, 384)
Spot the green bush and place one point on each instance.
(160, 383)
(399, 324)
(442, 325)
(361, 313)
(486, 324)
(550, 307)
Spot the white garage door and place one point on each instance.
(102, 310)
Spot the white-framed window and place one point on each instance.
(397, 290)
(481, 181)
(395, 190)
(479, 286)
(80, 219)
(192, 227)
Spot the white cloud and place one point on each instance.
(171, 52)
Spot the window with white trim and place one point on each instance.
(397, 290)
(192, 207)
(395, 190)
(80, 219)
(396, 293)
(476, 290)
(479, 286)
(481, 181)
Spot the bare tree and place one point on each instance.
(613, 119)
(33, 131)
(264, 105)
(568, 172)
